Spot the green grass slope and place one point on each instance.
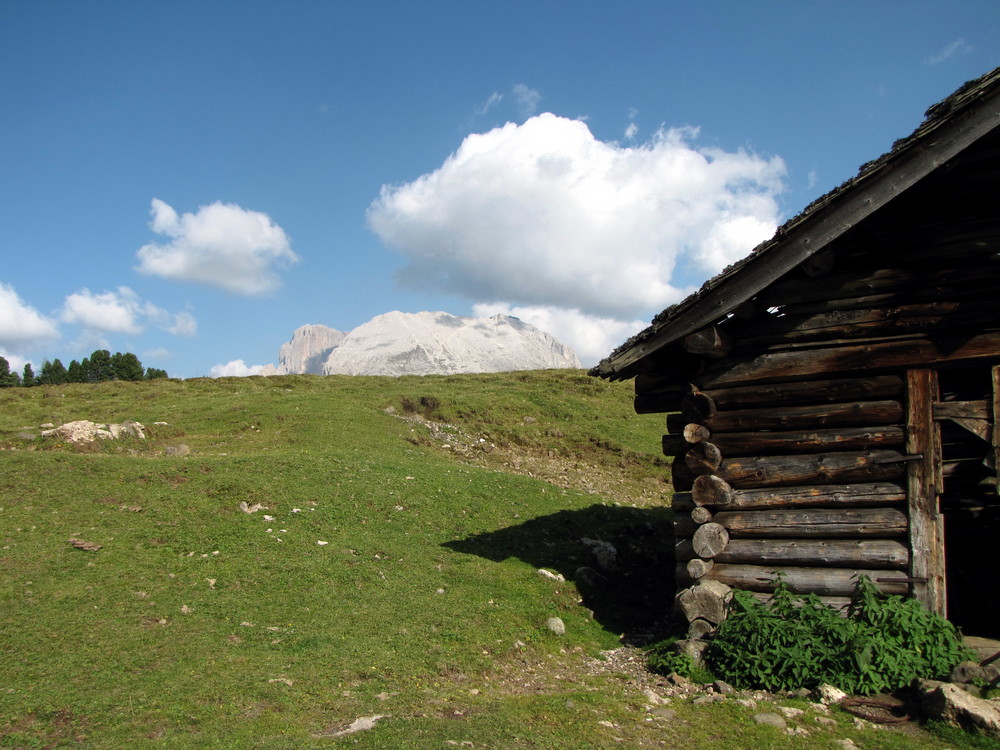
(392, 570)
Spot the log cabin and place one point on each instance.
(831, 399)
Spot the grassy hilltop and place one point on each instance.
(392, 570)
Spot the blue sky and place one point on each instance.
(191, 181)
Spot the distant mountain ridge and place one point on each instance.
(424, 343)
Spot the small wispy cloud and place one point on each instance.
(527, 99)
(958, 47)
(631, 131)
(494, 100)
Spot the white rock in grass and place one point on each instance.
(556, 625)
(550, 575)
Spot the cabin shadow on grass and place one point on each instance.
(630, 592)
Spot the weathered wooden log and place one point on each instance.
(804, 580)
(869, 322)
(681, 502)
(695, 433)
(867, 282)
(705, 601)
(711, 490)
(807, 469)
(699, 628)
(709, 539)
(735, 444)
(698, 407)
(839, 603)
(995, 372)
(662, 380)
(674, 445)
(711, 342)
(812, 416)
(696, 567)
(812, 522)
(701, 515)
(958, 409)
(842, 553)
(808, 392)
(925, 482)
(703, 458)
(716, 492)
(874, 354)
(657, 403)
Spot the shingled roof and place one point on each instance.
(949, 127)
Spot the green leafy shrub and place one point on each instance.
(790, 642)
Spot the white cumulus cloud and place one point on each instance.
(122, 311)
(222, 245)
(22, 326)
(544, 215)
(236, 368)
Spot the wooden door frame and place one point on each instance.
(924, 485)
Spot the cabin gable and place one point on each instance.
(835, 415)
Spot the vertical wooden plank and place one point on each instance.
(996, 421)
(924, 484)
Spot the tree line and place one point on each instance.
(100, 365)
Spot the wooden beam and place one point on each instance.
(857, 553)
(842, 390)
(996, 419)
(717, 493)
(816, 523)
(911, 352)
(924, 484)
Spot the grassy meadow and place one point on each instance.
(391, 571)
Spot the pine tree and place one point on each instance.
(100, 366)
(8, 379)
(152, 373)
(75, 373)
(28, 378)
(126, 366)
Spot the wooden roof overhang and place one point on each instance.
(950, 127)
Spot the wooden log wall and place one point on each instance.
(805, 478)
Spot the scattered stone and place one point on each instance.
(556, 625)
(701, 700)
(679, 680)
(666, 714)
(946, 702)
(789, 712)
(85, 431)
(693, 648)
(181, 449)
(653, 697)
(87, 546)
(847, 744)
(251, 508)
(828, 694)
(797, 731)
(723, 687)
(825, 721)
(773, 720)
(185, 609)
(282, 680)
(550, 575)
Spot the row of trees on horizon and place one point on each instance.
(99, 366)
